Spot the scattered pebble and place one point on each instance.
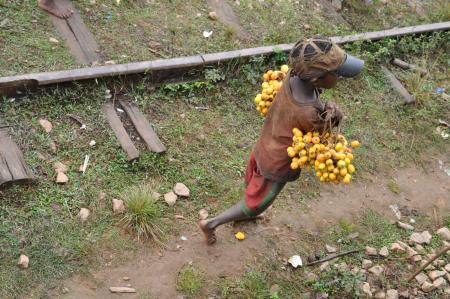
(444, 232)
(213, 15)
(405, 225)
(366, 264)
(371, 251)
(110, 62)
(170, 198)
(421, 278)
(183, 238)
(92, 143)
(46, 125)
(126, 278)
(295, 261)
(83, 214)
(121, 290)
(180, 189)
(61, 178)
(391, 294)
(118, 206)
(324, 266)
(376, 270)
(207, 34)
(420, 238)
(440, 283)
(65, 290)
(427, 287)
(330, 249)
(397, 248)
(380, 295)
(435, 274)
(59, 167)
(384, 252)
(53, 40)
(23, 261)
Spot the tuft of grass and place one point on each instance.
(189, 281)
(144, 214)
(393, 187)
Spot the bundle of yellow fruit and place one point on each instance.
(328, 155)
(272, 82)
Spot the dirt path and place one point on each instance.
(154, 276)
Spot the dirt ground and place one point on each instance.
(154, 273)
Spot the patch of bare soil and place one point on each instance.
(154, 274)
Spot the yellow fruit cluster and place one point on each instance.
(272, 82)
(328, 155)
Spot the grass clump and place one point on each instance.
(144, 214)
(189, 281)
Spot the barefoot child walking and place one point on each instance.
(315, 63)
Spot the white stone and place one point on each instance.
(427, 287)
(405, 225)
(324, 266)
(421, 278)
(46, 125)
(170, 198)
(23, 261)
(421, 238)
(384, 252)
(61, 178)
(397, 248)
(444, 232)
(404, 294)
(121, 290)
(435, 274)
(180, 189)
(83, 214)
(365, 288)
(213, 15)
(60, 167)
(440, 283)
(53, 40)
(447, 268)
(411, 252)
(391, 294)
(416, 258)
(118, 206)
(371, 251)
(380, 295)
(330, 249)
(447, 290)
(376, 270)
(366, 264)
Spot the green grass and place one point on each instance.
(189, 281)
(143, 214)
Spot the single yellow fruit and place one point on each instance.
(265, 85)
(339, 146)
(284, 68)
(355, 144)
(266, 77)
(321, 158)
(347, 179)
(258, 98)
(328, 156)
(341, 164)
(274, 76)
(258, 108)
(350, 156)
(294, 165)
(325, 175)
(269, 90)
(240, 236)
(322, 179)
(307, 138)
(316, 134)
(322, 166)
(295, 130)
(332, 176)
(319, 174)
(315, 140)
(269, 73)
(265, 110)
(303, 160)
(303, 153)
(336, 171)
(329, 162)
(330, 168)
(268, 104)
(343, 172)
(262, 104)
(351, 169)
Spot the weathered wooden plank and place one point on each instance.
(407, 66)
(407, 97)
(143, 127)
(198, 61)
(119, 130)
(12, 164)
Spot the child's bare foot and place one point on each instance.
(210, 235)
(55, 9)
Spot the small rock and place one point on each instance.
(447, 276)
(324, 266)
(101, 196)
(447, 268)
(427, 287)
(213, 15)
(416, 258)
(371, 251)
(203, 214)
(170, 198)
(439, 263)
(311, 277)
(380, 295)
(59, 167)
(306, 26)
(405, 225)
(61, 178)
(376, 270)
(366, 264)
(447, 291)
(365, 288)
(384, 252)
(404, 294)
(421, 238)
(274, 289)
(419, 248)
(83, 214)
(321, 296)
(65, 290)
(118, 206)
(52, 145)
(121, 290)
(397, 248)
(110, 62)
(46, 125)
(421, 278)
(126, 278)
(391, 294)
(435, 274)
(53, 40)
(330, 249)
(92, 143)
(337, 5)
(23, 261)
(180, 189)
(355, 270)
(440, 283)
(444, 232)
(156, 195)
(154, 44)
(411, 252)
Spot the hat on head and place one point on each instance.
(313, 57)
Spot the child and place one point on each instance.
(314, 63)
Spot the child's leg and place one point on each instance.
(259, 195)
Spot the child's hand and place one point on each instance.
(334, 113)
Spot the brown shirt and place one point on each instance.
(285, 114)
